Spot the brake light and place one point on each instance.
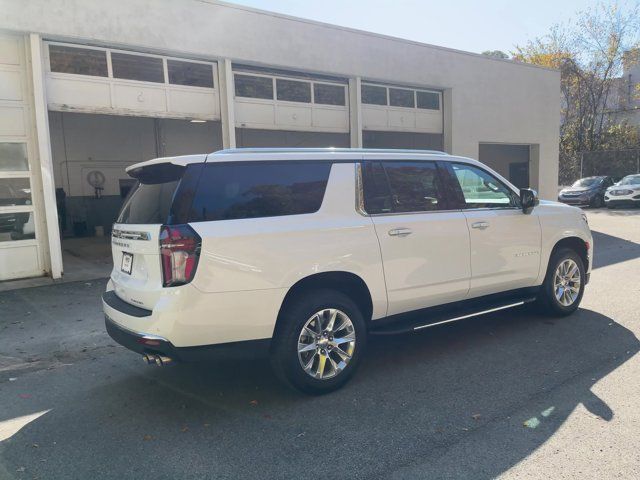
(179, 253)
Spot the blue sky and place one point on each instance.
(469, 25)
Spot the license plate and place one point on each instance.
(127, 263)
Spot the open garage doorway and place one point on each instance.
(403, 140)
(90, 153)
(509, 160)
(253, 137)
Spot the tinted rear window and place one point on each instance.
(148, 203)
(151, 199)
(228, 191)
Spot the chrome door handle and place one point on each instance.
(400, 232)
(480, 225)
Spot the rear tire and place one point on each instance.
(319, 341)
(563, 287)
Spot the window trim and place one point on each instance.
(458, 197)
(448, 201)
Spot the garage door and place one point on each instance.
(510, 161)
(20, 252)
(401, 117)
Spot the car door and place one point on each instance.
(424, 244)
(505, 242)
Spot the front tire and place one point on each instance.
(598, 201)
(319, 341)
(563, 287)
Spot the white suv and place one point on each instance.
(309, 251)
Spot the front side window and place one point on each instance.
(78, 61)
(481, 189)
(137, 67)
(229, 191)
(402, 187)
(293, 90)
(250, 86)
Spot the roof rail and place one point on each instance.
(229, 151)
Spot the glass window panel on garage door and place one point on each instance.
(16, 203)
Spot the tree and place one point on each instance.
(496, 54)
(589, 55)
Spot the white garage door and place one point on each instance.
(20, 252)
(277, 102)
(103, 80)
(400, 109)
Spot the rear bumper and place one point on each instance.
(146, 343)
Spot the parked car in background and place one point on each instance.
(625, 193)
(588, 191)
(310, 251)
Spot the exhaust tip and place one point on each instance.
(156, 359)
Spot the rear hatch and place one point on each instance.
(156, 200)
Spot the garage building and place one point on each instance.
(87, 88)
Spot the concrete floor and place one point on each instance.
(509, 395)
(83, 259)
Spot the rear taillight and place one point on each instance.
(179, 253)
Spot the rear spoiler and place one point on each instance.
(162, 170)
(158, 173)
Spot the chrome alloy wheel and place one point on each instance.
(566, 282)
(326, 343)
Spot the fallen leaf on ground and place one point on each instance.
(253, 402)
(147, 437)
(184, 429)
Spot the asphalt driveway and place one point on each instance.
(511, 394)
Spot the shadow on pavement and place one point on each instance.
(610, 249)
(449, 402)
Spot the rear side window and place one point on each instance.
(229, 191)
(402, 187)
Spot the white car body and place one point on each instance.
(247, 266)
(624, 193)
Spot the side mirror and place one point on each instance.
(528, 199)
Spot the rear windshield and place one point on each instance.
(228, 191)
(151, 199)
(148, 203)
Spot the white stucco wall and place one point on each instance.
(488, 100)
